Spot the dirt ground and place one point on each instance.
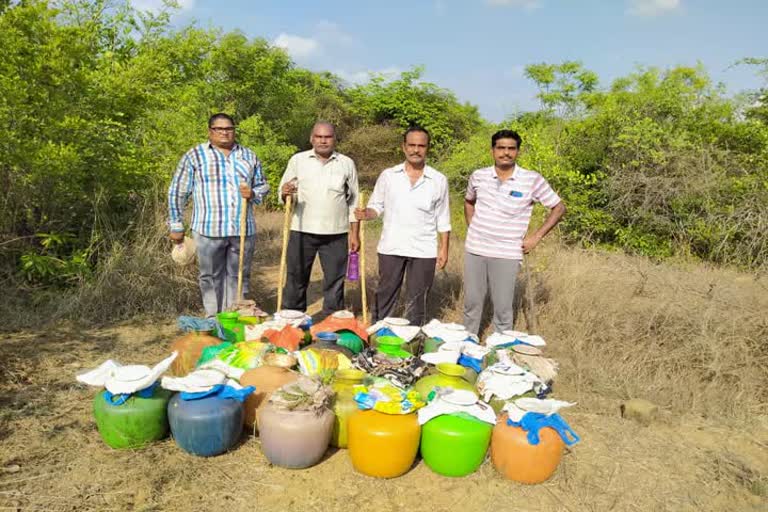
(52, 458)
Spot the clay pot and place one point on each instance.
(294, 439)
(190, 346)
(516, 459)
(266, 379)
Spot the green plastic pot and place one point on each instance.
(448, 375)
(232, 328)
(134, 424)
(455, 444)
(392, 346)
(350, 340)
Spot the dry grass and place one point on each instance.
(690, 338)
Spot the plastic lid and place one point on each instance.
(327, 336)
(396, 321)
(290, 314)
(392, 341)
(344, 314)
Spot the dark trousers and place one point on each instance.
(420, 275)
(302, 248)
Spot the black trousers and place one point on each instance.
(302, 248)
(420, 275)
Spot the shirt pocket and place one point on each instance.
(514, 204)
(337, 183)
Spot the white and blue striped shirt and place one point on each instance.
(213, 180)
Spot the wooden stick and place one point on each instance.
(243, 220)
(286, 232)
(363, 291)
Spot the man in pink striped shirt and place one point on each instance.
(497, 207)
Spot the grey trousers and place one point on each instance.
(501, 275)
(421, 274)
(218, 259)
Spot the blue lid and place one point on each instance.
(327, 336)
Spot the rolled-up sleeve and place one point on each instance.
(288, 175)
(376, 202)
(354, 191)
(179, 192)
(471, 193)
(443, 209)
(259, 184)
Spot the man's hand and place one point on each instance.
(365, 213)
(176, 237)
(290, 187)
(442, 258)
(245, 190)
(530, 242)
(354, 242)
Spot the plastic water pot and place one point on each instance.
(515, 458)
(265, 379)
(205, 427)
(455, 444)
(232, 328)
(190, 347)
(448, 375)
(294, 439)
(344, 404)
(383, 445)
(134, 424)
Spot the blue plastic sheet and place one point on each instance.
(121, 398)
(532, 422)
(222, 391)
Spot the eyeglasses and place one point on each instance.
(222, 129)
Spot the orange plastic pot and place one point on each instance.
(383, 445)
(518, 460)
(190, 347)
(266, 379)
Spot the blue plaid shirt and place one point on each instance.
(213, 181)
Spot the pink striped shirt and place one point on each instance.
(503, 210)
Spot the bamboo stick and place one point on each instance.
(286, 230)
(363, 291)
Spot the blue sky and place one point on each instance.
(479, 48)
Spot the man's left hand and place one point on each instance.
(354, 243)
(530, 242)
(245, 191)
(442, 260)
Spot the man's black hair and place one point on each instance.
(506, 134)
(416, 128)
(220, 115)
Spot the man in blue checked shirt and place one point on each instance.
(219, 175)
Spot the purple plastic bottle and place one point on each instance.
(353, 266)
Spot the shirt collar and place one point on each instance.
(428, 171)
(236, 147)
(515, 173)
(312, 154)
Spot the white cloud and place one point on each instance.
(360, 77)
(330, 33)
(157, 5)
(652, 7)
(297, 46)
(526, 4)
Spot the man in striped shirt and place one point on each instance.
(497, 207)
(222, 177)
